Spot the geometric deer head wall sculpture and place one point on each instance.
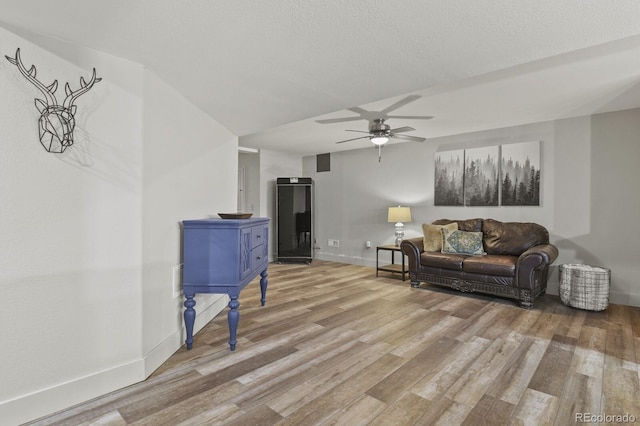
(56, 122)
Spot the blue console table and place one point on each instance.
(222, 256)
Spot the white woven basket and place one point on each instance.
(584, 286)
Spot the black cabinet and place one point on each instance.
(294, 219)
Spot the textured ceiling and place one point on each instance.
(258, 66)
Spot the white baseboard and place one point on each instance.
(341, 258)
(630, 299)
(56, 398)
(47, 401)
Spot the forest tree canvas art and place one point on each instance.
(520, 168)
(506, 175)
(481, 176)
(449, 178)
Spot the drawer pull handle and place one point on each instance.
(258, 236)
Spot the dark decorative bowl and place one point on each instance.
(235, 215)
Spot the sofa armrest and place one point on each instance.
(532, 265)
(412, 248)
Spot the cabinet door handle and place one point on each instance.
(258, 236)
(258, 258)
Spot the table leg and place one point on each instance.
(189, 317)
(233, 317)
(263, 286)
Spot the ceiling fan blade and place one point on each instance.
(409, 138)
(355, 109)
(401, 102)
(359, 131)
(338, 120)
(358, 110)
(412, 117)
(354, 139)
(402, 129)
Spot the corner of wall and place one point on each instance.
(213, 305)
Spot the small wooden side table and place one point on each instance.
(393, 267)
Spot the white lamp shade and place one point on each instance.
(399, 214)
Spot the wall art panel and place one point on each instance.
(449, 178)
(481, 176)
(520, 174)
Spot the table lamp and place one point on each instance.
(399, 215)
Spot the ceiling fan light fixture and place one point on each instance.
(379, 140)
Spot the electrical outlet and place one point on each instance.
(367, 244)
(177, 280)
(333, 243)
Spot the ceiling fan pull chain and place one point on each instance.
(379, 153)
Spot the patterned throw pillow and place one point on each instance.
(432, 235)
(462, 242)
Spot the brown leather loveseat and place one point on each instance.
(511, 261)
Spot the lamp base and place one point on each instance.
(399, 233)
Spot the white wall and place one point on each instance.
(614, 205)
(272, 166)
(90, 237)
(190, 171)
(71, 279)
(588, 169)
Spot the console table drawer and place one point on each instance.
(258, 258)
(258, 235)
(255, 259)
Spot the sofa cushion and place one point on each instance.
(469, 225)
(432, 235)
(491, 265)
(512, 238)
(436, 259)
(462, 242)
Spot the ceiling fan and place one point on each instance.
(379, 132)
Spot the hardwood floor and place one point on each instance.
(335, 345)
